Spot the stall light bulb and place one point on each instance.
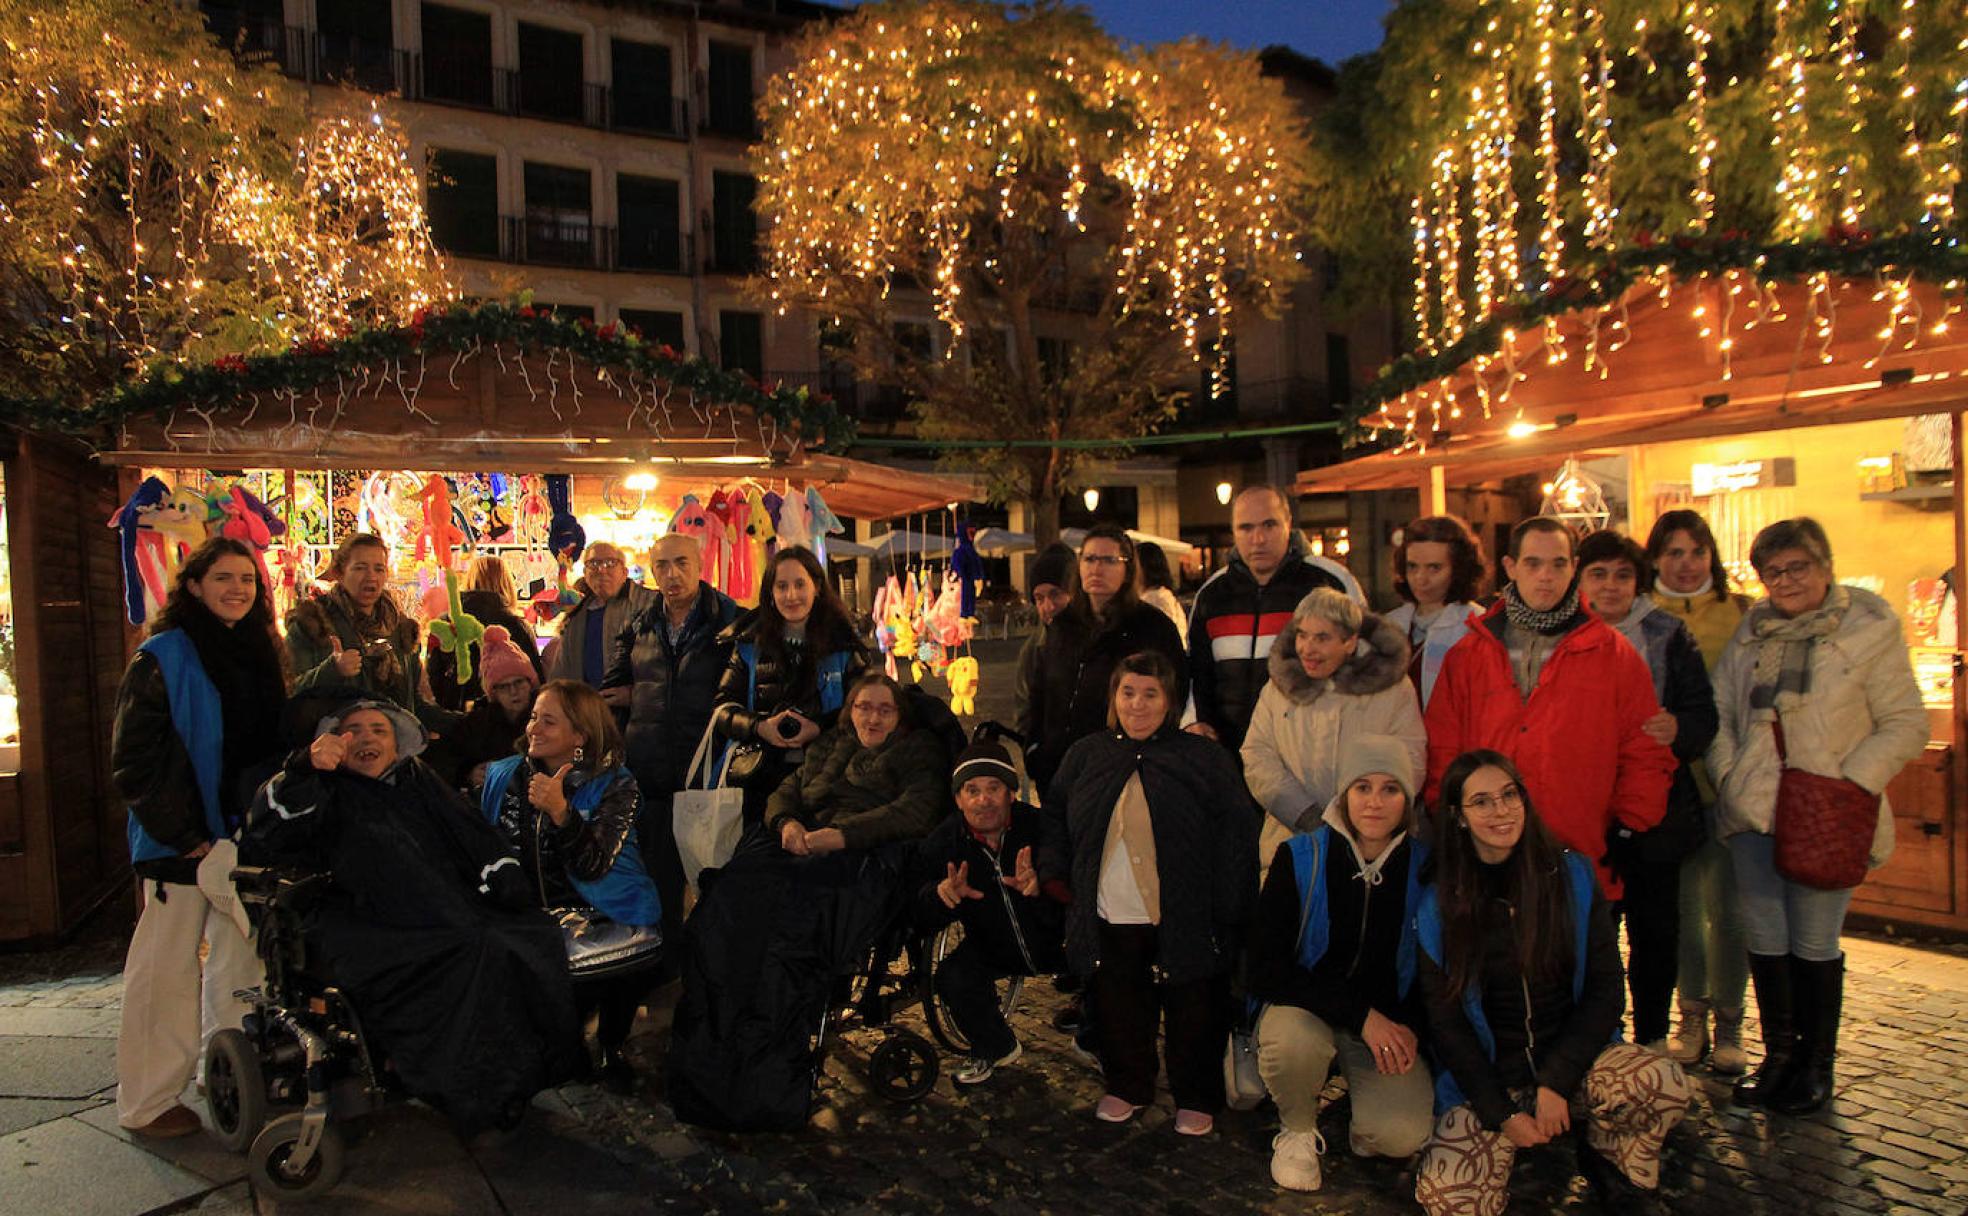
(1091, 498)
(1223, 489)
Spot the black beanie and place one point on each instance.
(1054, 565)
(985, 758)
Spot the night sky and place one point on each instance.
(1330, 30)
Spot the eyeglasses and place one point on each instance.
(509, 687)
(605, 563)
(1509, 798)
(1795, 571)
(1101, 559)
(874, 709)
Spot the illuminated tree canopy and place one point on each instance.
(161, 203)
(1080, 222)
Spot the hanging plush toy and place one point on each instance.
(557, 596)
(888, 619)
(248, 521)
(758, 536)
(145, 568)
(565, 536)
(948, 623)
(791, 521)
(440, 531)
(457, 631)
(963, 685)
(821, 523)
(967, 566)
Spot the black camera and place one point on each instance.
(788, 727)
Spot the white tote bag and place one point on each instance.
(707, 818)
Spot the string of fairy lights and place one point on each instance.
(180, 197)
(897, 148)
(1478, 258)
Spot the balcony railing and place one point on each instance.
(667, 116)
(729, 122)
(537, 242)
(731, 252)
(649, 253)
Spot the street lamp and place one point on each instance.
(1223, 489)
(1091, 498)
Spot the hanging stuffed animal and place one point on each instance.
(146, 580)
(440, 530)
(758, 536)
(968, 567)
(717, 545)
(792, 522)
(821, 523)
(248, 521)
(888, 616)
(948, 623)
(557, 596)
(963, 685)
(565, 536)
(457, 631)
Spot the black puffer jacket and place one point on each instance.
(785, 680)
(872, 795)
(1230, 633)
(1018, 934)
(1205, 843)
(1075, 664)
(674, 686)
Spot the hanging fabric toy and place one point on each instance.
(792, 522)
(821, 523)
(557, 596)
(440, 531)
(457, 631)
(248, 521)
(963, 685)
(967, 566)
(145, 578)
(565, 536)
(758, 535)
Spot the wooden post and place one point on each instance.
(1435, 494)
(1958, 759)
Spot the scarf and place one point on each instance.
(1708, 585)
(244, 666)
(1551, 622)
(1629, 625)
(379, 624)
(1782, 675)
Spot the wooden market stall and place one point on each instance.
(517, 407)
(1738, 399)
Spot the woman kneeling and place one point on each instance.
(1521, 972)
(1333, 958)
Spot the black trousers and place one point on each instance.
(1651, 907)
(1133, 1007)
(656, 837)
(967, 984)
(614, 1000)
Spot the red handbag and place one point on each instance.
(1824, 827)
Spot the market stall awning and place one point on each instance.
(1670, 379)
(1169, 546)
(863, 489)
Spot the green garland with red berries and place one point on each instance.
(231, 382)
(1932, 255)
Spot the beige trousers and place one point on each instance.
(1295, 1050)
(172, 1006)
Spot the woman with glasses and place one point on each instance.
(1816, 678)
(1520, 971)
(869, 781)
(1104, 621)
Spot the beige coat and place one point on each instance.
(1862, 720)
(1291, 753)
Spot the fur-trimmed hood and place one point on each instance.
(1378, 662)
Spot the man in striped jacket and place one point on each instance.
(1242, 608)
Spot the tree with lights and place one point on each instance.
(1529, 158)
(160, 203)
(1047, 192)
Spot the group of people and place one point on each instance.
(1304, 834)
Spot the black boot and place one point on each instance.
(1819, 988)
(1771, 975)
(1617, 1194)
(616, 1074)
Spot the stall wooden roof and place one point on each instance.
(1668, 382)
(520, 415)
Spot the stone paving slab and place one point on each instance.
(56, 1067)
(63, 1021)
(17, 1114)
(71, 1168)
(405, 1159)
(200, 1155)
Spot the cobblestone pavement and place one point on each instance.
(1894, 1141)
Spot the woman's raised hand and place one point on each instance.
(549, 793)
(348, 662)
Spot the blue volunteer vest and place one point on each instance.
(196, 717)
(1428, 927)
(1311, 854)
(830, 673)
(625, 894)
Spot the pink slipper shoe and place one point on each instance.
(1194, 1123)
(1112, 1109)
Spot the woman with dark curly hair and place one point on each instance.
(1438, 571)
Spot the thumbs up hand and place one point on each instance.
(549, 793)
(348, 663)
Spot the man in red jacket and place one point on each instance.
(1562, 694)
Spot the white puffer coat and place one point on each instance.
(1861, 720)
(1291, 754)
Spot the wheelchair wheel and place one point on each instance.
(903, 1068)
(267, 1164)
(235, 1089)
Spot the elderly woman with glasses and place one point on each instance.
(1817, 678)
(1520, 972)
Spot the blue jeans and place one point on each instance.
(1714, 962)
(1780, 916)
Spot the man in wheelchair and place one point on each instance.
(977, 870)
(427, 924)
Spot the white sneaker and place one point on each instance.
(1295, 1160)
(978, 1070)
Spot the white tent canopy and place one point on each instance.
(900, 542)
(998, 542)
(1169, 546)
